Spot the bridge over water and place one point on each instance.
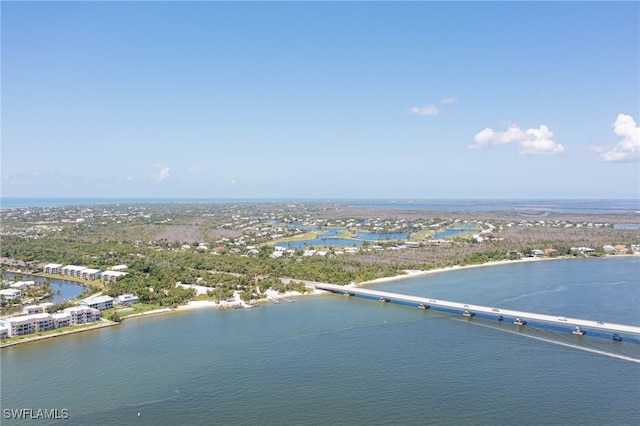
(577, 325)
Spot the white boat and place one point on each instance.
(468, 314)
(518, 321)
(423, 306)
(578, 331)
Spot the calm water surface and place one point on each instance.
(338, 360)
(62, 289)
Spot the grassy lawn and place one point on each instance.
(310, 235)
(138, 308)
(57, 331)
(463, 236)
(420, 235)
(204, 297)
(344, 233)
(95, 285)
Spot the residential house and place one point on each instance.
(126, 299)
(10, 293)
(22, 285)
(621, 249)
(119, 268)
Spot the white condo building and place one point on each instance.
(52, 268)
(100, 302)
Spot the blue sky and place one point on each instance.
(321, 100)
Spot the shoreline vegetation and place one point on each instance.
(182, 256)
(221, 305)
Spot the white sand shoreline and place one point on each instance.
(200, 304)
(419, 273)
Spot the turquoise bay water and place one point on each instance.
(341, 360)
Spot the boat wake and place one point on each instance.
(533, 293)
(564, 344)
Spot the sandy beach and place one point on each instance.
(275, 297)
(418, 273)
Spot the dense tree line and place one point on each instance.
(157, 264)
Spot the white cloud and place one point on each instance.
(628, 149)
(513, 134)
(425, 110)
(449, 100)
(531, 141)
(483, 139)
(162, 174)
(539, 142)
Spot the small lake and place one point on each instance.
(373, 236)
(449, 232)
(62, 289)
(320, 242)
(328, 238)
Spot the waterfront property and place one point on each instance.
(52, 268)
(10, 293)
(85, 273)
(61, 319)
(90, 274)
(72, 270)
(28, 324)
(81, 272)
(82, 315)
(22, 285)
(99, 302)
(126, 299)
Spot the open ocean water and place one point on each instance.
(538, 206)
(340, 360)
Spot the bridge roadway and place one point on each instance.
(585, 324)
